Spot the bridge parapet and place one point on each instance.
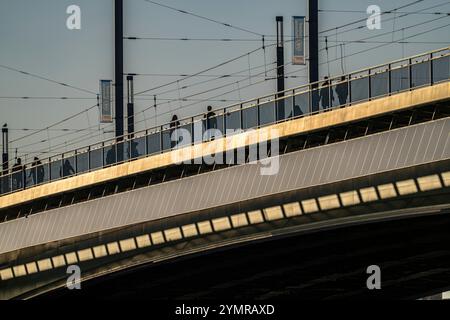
(391, 87)
(340, 116)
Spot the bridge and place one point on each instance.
(362, 177)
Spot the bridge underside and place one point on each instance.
(305, 256)
(413, 254)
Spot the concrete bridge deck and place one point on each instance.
(396, 102)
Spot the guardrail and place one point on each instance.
(356, 87)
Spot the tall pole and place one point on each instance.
(130, 107)
(118, 13)
(313, 17)
(280, 55)
(5, 155)
(280, 67)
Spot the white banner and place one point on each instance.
(298, 45)
(105, 101)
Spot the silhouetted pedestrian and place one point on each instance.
(134, 152)
(342, 91)
(174, 124)
(17, 177)
(67, 168)
(325, 94)
(211, 121)
(37, 171)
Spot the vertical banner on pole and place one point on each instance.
(298, 43)
(105, 101)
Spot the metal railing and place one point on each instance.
(337, 92)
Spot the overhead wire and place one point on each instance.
(365, 19)
(389, 32)
(228, 25)
(43, 98)
(47, 79)
(386, 44)
(200, 72)
(385, 12)
(55, 124)
(386, 20)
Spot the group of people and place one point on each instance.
(324, 97)
(325, 94)
(210, 123)
(36, 173)
(119, 154)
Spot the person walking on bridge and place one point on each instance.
(342, 91)
(67, 168)
(17, 176)
(211, 121)
(37, 171)
(174, 124)
(325, 94)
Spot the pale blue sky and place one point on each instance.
(34, 38)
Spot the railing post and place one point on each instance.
(330, 100)
(241, 116)
(75, 162)
(292, 105)
(257, 113)
(224, 122)
(389, 79)
(146, 141)
(310, 97)
(279, 114)
(410, 73)
(161, 140)
(62, 166)
(192, 132)
(103, 154)
(431, 69)
(349, 89)
(23, 177)
(49, 169)
(89, 158)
